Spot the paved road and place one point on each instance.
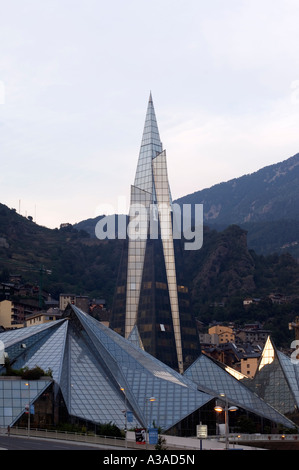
(23, 443)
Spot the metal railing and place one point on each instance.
(111, 441)
(66, 435)
(88, 438)
(264, 437)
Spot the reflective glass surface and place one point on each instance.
(211, 377)
(144, 376)
(15, 395)
(91, 363)
(147, 295)
(277, 380)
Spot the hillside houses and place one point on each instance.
(23, 304)
(238, 348)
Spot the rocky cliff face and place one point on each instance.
(223, 267)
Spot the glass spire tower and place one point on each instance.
(151, 300)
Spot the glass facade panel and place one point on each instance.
(15, 395)
(276, 380)
(211, 376)
(95, 362)
(152, 263)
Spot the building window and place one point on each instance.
(183, 289)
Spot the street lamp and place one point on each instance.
(28, 385)
(148, 418)
(126, 410)
(226, 409)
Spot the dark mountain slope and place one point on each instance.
(220, 275)
(78, 264)
(271, 193)
(265, 203)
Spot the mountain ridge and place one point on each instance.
(245, 205)
(265, 203)
(258, 202)
(219, 275)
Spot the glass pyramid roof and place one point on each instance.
(277, 379)
(212, 377)
(15, 395)
(91, 363)
(142, 376)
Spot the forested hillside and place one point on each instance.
(220, 275)
(265, 203)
